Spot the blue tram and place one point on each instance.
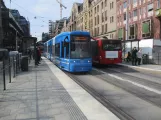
(70, 51)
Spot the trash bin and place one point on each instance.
(145, 59)
(24, 63)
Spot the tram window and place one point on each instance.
(53, 50)
(67, 50)
(62, 50)
(57, 49)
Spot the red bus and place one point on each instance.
(106, 51)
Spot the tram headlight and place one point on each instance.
(74, 61)
(89, 61)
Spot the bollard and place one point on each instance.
(9, 70)
(4, 79)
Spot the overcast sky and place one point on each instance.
(44, 10)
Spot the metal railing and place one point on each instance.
(9, 68)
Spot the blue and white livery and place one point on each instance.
(70, 51)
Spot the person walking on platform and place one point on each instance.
(139, 56)
(134, 56)
(37, 56)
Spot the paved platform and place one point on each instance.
(46, 93)
(151, 67)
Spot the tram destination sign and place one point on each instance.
(81, 38)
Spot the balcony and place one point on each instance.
(158, 13)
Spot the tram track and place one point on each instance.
(136, 92)
(103, 100)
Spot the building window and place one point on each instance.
(98, 31)
(111, 5)
(95, 20)
(132, 32)
(102, 5)
(120, 33)
(124, 16)
(102, 28)
(129, 1)
(111, 35)
(146, 29)
(134, 1)
(98, 8)
(105, 3)
(111, 19)
(102, 17)
(150, 7)
(91, 13)
(95, 9)
(125, 5)
(98, 19)
(158, 4)
(120, 7)
(129, 15)
(135, 13)
(106, 28)
(106, 15)
(140, 11)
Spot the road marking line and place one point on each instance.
(134, 83)
(140, 67)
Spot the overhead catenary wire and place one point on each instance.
(34, 16)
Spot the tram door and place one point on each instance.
(65, 55)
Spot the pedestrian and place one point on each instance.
(139, 56)
(39, 50)
(134, 56)
(37, 56)
(128, 56)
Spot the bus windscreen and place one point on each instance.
(107, 45)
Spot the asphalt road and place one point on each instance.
(136, 93)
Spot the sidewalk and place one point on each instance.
(150, 67)
(39, 94)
